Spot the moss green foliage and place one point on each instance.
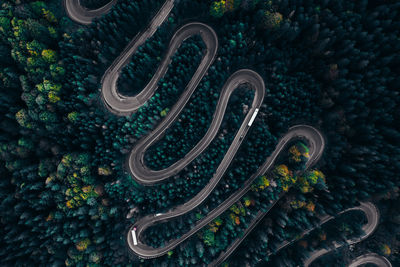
(65, 195)
(219, 8)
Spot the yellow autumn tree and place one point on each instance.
(247, 201)
(104, 170)
(295, 154)
(50, 56)
(282, 170)
(218, 8)
(53, 97)
(272, 20)
(73, 116)
(310, 206)
(22, 118)
(49, 16)
(386, 249)
(83, 244)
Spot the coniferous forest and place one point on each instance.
(67, 193)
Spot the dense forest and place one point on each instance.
(384, 241)
(66, 196)
(93, 4)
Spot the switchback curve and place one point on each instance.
(146, 176)
(369, 209)
(316, 145)
(126, 105)
(82, 15)
(373, 258)
(372, 214)
(122, 105)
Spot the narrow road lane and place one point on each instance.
(369, 209)
(372, 258)
(82, 15)
(125, 105)
(372, 214)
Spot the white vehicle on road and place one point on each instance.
(134, 236)
(253, 117)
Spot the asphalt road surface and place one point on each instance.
(316, 143)
(144, 175)
(373, 258)
(370, 210)
(372, 214)
(123, 105)
(82, 15)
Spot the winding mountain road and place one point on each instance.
(372, 214)
(144, 175)
(123, 105)
(310, 134)
(370, 210)
(316, 144)
(82, 15)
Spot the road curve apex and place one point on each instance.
(145, 251)
(371, 212)
(126, 105)
(76, 12)
(136, 163)
(373, 258)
